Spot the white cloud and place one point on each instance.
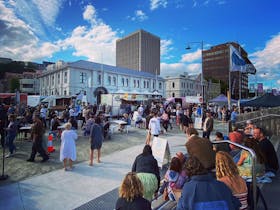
(278, 82)
(205, 3)
(96, 42)
(154, 4)
(269, 57)
(139, 16)
(165, 48)
(174, 69)
(267, 61)
(48, 10)
(18, 41)
(90, 14)
(190, 57)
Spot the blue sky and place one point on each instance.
(69, 30)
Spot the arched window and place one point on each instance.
(173, 94)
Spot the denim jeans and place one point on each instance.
(10, 142)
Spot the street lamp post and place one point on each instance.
(201, 79)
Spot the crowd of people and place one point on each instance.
(221, 170)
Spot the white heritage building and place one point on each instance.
(94, 79)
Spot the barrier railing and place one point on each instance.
(257, 118)
(254, 179)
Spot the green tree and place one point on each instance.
(14, 84)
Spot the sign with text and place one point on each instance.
(161, 151)
(198, 123)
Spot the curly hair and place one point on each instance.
(131, 187)
(225, 165)
(194, 167)
(175, 164)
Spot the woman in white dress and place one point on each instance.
(68, 146)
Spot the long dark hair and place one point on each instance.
(147, 150)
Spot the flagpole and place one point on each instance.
(229, 79)
(240, 77)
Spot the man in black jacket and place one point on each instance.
(271, 162)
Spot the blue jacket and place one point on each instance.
(205, 192)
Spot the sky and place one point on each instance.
(71, 30)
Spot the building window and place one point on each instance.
(65, 77)
(134, 83)
(173, 84)
(109, 80)
(99, 79)
(153, 85)
(114, 81)
(148, 84)
(138, 83)
(173, 95)
(58, 78)
(82, 77)
(52, 79)
(144, 83)
(159, 86)
(27, 85)
(65, 93)
(123, 82)
(127, 81)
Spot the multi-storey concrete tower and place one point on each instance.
(140, 51)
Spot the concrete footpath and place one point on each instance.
(61, 189)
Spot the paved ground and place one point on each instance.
(47, 186)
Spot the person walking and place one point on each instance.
(154, 127)
(96, 139)
(68, 146)
(3, 123)
(37, 132)
(11, 135)
(208, 125)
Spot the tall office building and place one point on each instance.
(216, 67)
(139, 51)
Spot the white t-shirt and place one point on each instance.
(154, 126)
